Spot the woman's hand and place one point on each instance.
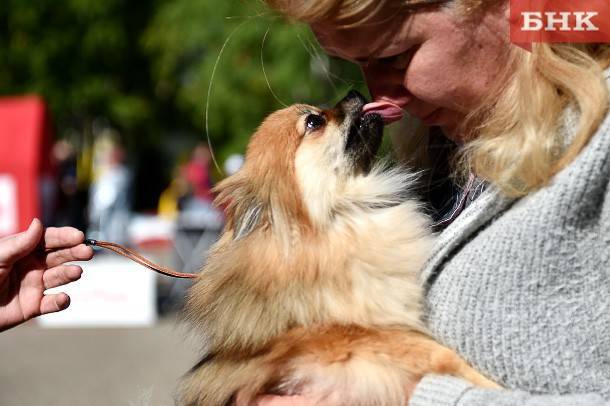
(33, 261)
(271, 400)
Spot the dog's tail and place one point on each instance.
(222, 381)
(332, 365)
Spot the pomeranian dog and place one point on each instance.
(312, 287)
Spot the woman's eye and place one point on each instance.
(400, 61)
(314, 121)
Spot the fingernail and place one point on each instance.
(66, 304)
(34, 221)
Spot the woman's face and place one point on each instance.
(437, 67)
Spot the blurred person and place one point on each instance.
(196, 208)
(32, 262)
(110, 202)
(198, 222)
(69, 210)
(169, 200)
(197, 173)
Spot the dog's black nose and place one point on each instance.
(352, 103)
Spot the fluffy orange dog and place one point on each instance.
(312, 288)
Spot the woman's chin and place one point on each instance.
(451, 132)
(450, 127)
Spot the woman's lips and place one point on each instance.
(390, 112)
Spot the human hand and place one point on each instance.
(33, 261)
(272, 400)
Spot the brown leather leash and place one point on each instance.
(134, 256)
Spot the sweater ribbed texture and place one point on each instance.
(521, 289)
(439, 391)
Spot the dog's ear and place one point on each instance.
(249, 221)
(243, 209)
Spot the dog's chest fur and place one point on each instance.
(361, 269)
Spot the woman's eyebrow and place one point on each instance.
(361, 61)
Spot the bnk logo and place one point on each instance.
(562, 21)
(581, 21)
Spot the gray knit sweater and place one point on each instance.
(521, 289)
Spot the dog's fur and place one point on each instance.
(312, 287)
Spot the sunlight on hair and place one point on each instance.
(265, 73)
(517, 142)
(207, 101)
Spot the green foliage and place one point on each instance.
(146, 67)
(250, 60)
(83, 56)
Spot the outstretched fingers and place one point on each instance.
(19, 245)
(54, 303)
(61, 275)
(62, 237)
(80, 252)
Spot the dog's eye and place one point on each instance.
(314, 121)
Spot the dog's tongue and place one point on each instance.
(390, 112)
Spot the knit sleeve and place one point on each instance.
(441, 390)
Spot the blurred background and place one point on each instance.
(117, 117)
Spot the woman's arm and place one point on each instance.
(437, 390)
(442, 390)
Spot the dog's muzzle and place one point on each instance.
(364, 132)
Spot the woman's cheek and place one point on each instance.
(428, 80)
(454, 83)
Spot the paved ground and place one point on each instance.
(92, 367)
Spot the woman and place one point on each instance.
(519, 282)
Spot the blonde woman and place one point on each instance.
(519, 283)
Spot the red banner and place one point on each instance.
(551, 21)
(25, 139)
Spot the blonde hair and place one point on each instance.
(513, 139)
